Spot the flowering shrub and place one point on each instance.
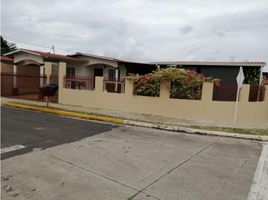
(185, 84)
(145, 85)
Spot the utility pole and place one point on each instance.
(53, 49)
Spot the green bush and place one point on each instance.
(185, 84)
(145, 85)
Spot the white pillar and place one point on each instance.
(261, 76)
(116, 78)
(14, 76)
(42, 72)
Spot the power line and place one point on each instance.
(52, 47)
(26, 42)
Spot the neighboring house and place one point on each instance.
(225, 71)
(6, 69)
(32, 62)
(6, 64)
(265, 76)
(28, 71)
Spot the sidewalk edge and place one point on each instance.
(134, 123)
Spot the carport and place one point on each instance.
(30, 71)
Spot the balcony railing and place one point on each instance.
(114, 86)
(80, 83)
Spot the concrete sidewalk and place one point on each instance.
(134, 163)
(71, 111)
(155, 119)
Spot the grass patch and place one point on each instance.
(248, 131)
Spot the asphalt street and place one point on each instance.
(49, 157)
(36, 130)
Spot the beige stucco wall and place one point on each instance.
(204, 110)
(6, 68)
(26, 56)
(93, 61)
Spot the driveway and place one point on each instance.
(102, 161)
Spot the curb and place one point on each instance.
(197, 131)
(64, 113)
(135, 123)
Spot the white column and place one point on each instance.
(261, 76)
(14, 76)
(42, 72)
(116, 78)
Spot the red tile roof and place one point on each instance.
(55, 56)
(6, 59)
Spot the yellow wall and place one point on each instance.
(202, 110)
(6, 68)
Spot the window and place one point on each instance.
(119, 75)
(199, 70)
(111, 74)
(70, 72)
(55, 69)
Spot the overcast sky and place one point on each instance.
(142, 30)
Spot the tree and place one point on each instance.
(6, 46)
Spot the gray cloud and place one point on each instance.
(186, 29)
(142, 29)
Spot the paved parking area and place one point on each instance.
(128, 163)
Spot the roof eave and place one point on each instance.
(21, 50)
(211, 64)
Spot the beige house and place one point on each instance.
(32, 69)
(97, 81)
(6, 64)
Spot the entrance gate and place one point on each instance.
(22, 86)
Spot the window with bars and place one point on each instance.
(55, 69)
(70, 72)
(112, 75)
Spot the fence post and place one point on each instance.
(266, 93)
(62, 74)
(14, 76)
(207, 91)
(244, 93)
(128, 87)
(48, 70)
(164, 90)
(99, 84)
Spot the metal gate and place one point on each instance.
(22, 86)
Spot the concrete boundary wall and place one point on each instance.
(201, 110)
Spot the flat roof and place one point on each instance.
(93, 56)
(109, 58)
(212, 63)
